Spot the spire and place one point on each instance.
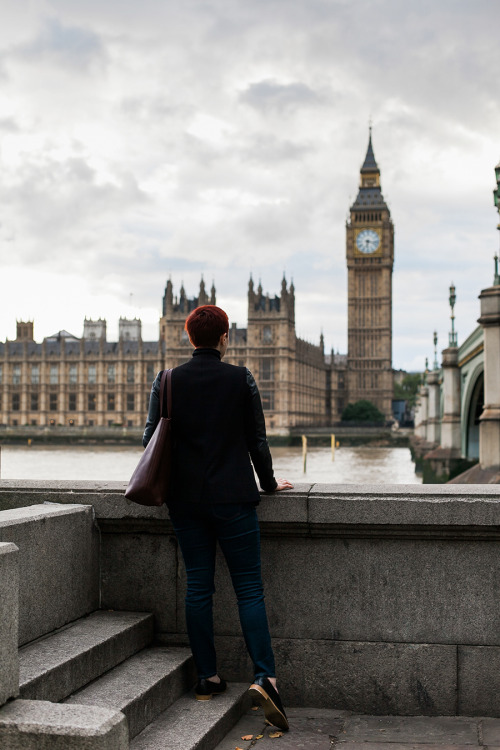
(370, 194)
(212, 294)
(370, 165)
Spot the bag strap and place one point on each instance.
(166, 376)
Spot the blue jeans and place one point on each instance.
(235, 526)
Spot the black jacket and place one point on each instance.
(217, 425)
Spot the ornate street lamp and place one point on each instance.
(496, 193)
(453, 299)
(496, 201)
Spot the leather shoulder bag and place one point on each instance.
(150, 481)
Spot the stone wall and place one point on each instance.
(380, 599)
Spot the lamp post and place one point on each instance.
(496, 201)
(436, 366)
(496, 192)
(453, 299)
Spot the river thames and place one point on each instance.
(351, 465)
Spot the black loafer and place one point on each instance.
(205, 689)
(263, 692)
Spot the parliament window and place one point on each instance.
(130, 373)
(16, 374)
(267, 400)
(16, 402)
(72, 402)
(54, 375)
(111, 401)
(130, 402)
(91, 402)
(267, 335)
(150, 373)
(73, 374)
(34, 402)
(35, 374)
(53, 401)
(111, 373)
(267, 369)
(92, 374)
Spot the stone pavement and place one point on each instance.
(324, 729)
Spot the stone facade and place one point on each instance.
(293, 375)
(83, 382)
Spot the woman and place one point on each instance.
(218, 425)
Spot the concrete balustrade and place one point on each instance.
(380, 599)
(58, 564)
(9, 610)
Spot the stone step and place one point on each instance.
(41, 725)
(195, 725)
(143, 686)
(54, 667)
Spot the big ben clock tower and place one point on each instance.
(370, 257)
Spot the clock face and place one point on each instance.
(367, 241)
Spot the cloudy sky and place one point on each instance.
(142, 140)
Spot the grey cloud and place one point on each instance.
(70, 215)
(269, 149)
(74, 46)
(295, 82)
(270, 95)
(9, 125)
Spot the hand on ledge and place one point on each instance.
(283, 484)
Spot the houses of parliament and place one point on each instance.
(89, 381)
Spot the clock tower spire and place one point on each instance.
(370, 258)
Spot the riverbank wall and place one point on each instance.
(59, 435)
(437, 465)
(381, 599)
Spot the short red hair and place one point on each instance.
(206, 324)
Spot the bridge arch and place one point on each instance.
(473, 404)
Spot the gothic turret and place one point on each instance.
(202, 298)
(168, 297)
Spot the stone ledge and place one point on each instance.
(388, 505)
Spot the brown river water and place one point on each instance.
(351, 465)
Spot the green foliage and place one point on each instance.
(408, 388)
(362, 411)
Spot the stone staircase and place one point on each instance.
(97, 681)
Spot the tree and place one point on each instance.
(408, 388)
(362, 411)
